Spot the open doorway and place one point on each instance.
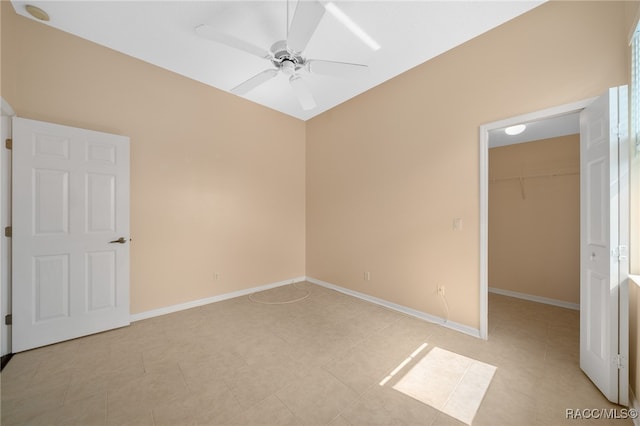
(486, 132)
(534, 211)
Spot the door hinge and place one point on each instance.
(619, 361)
(8, 231)
(8, 319)
(8, 143)
(620, 252)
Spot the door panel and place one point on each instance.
(597, 231)
(101, 203)
(51, 287)
(70, 200)
(101, 280)
(597, 299)
(51, 202)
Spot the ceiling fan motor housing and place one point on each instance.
(285, 60)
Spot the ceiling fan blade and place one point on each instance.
(254, 81)
(208, 32)
(305, 21)
(341, 69)
(302, 92)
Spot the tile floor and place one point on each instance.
(314, 362)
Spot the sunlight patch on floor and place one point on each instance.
(449, 382)
(403, 364)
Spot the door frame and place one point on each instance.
(5, 248)
(484, 191)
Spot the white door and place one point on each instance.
(70, 233)
(604, 230)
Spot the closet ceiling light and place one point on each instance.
(515, 130)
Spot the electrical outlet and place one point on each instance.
(216, 276)
(367, 276)
(441, 290)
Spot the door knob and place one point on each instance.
(120, 240)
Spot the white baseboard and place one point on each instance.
(635, 404)
(403, 309)
(200, 302)
(532, 298)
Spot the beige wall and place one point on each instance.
(534, 224)
(217, 182)
(388, 171)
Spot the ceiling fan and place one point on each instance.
(286, 55)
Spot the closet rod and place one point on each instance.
(534, 176)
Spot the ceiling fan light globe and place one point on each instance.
(288, 68)
(302, 92)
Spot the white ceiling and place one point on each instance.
(162, 33)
